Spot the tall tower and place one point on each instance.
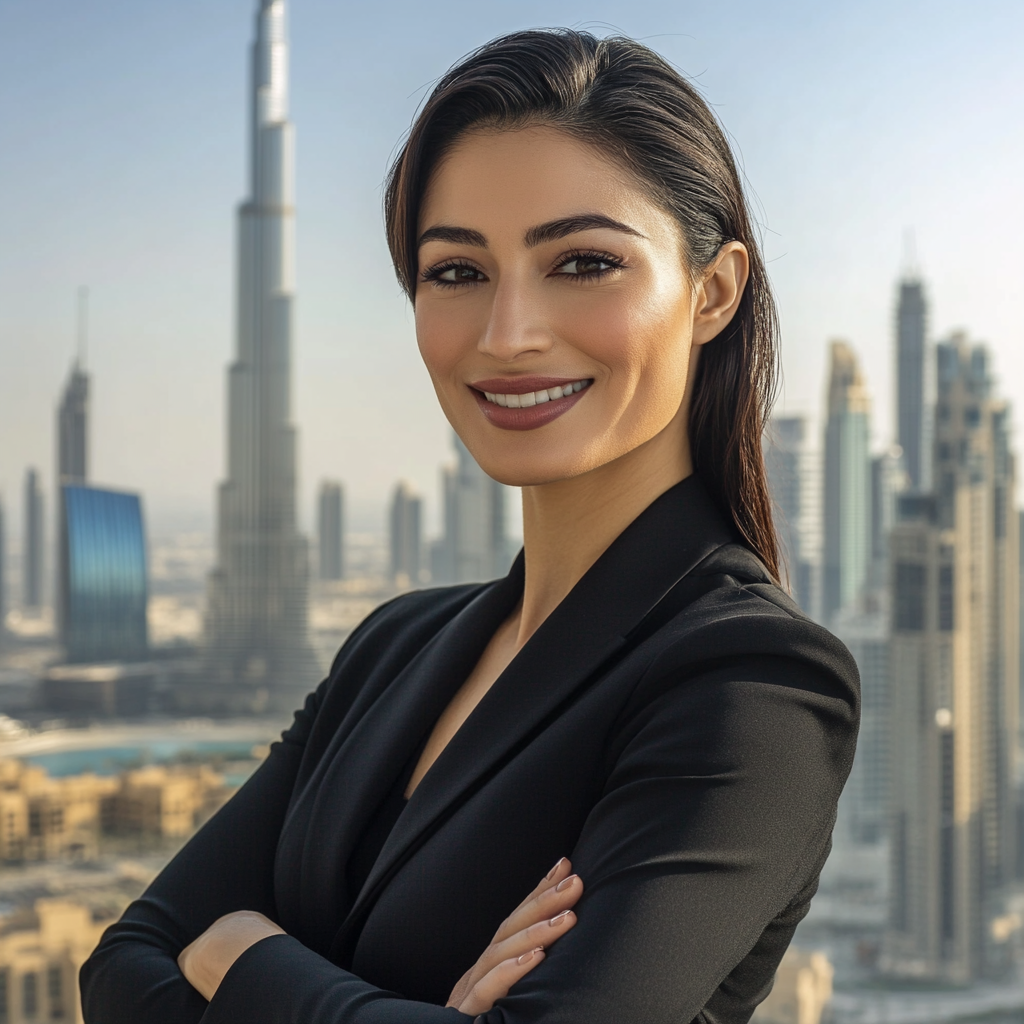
(256, 629)
(787, 462)
(912, 399)
(847, 500)
(954, 663)
(34, 534)
(331, 530)
(475, 546)
(406, 536)
(73, 413)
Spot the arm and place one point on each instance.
(717, 813)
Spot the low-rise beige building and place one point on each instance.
(40, 957)
(45, 819)
(802, 990)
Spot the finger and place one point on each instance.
(561, 870)
(494, 985)
(541, 907)
(541, 934)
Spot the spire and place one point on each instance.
(83, 326)
(270, 63)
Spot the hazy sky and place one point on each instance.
(122, 155)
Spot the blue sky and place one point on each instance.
(123, 156)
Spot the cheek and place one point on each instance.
(441, 339)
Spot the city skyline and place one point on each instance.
(838, 165)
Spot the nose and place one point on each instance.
(516, 323)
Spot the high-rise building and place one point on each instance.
(103, 580)
(34, 534)
(406, 536)
(847, 497)
(888, 482)
(475, 544)
(954, 665)
(790, 476)
(73, 469)
(912, 380)
(257, 619)
(72, 428)
(330, 520)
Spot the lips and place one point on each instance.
(525, 403)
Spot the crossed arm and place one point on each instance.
(516, 948)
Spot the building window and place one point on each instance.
(29, 996)
(946, 598)
(55, 990)
(910, 597)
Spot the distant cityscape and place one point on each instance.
(115, 641)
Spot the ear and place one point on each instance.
(718, 294)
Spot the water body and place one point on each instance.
(113, 759)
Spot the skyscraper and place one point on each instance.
(954, 664)
(72, 428)
(888, 481)
(331, 530)
(790, 474)
(256, 628)
(847, 498)
(34, 534)
(912, 399)
(406, 536)
(475, 544)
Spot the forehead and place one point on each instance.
(530, 176)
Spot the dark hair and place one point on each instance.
(624, 99)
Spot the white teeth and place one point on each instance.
(532, 398)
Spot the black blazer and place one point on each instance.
(677, 727)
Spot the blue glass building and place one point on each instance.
(103, 575)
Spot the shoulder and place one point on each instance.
(732, 629)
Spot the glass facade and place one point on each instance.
(103, 570)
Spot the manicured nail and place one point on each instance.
(551, 873)
(527, 957)
(558, 918)
(565, 883)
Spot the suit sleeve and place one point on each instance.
(699, 859)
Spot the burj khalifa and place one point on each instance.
(257, 647)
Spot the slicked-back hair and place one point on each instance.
(627, 102)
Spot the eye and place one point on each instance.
(587, 264)
(453, 274)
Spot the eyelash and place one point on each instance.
(433, 274)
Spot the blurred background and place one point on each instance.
(219, 450)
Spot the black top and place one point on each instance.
(676, 726)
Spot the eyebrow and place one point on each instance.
(549, 232)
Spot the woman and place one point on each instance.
(638, 695)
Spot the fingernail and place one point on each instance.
(527, 957)
(551, 873)
(558, 918)
(565, 883)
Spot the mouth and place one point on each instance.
(524, 403)
(515, 399)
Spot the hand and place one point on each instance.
(519, 944)
(205, 961)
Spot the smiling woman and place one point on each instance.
(637, 702)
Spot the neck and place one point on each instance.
(568, 524)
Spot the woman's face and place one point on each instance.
(553, 307)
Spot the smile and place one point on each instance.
(530, 398)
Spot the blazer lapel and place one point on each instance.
(586, 631)
(354, 777)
